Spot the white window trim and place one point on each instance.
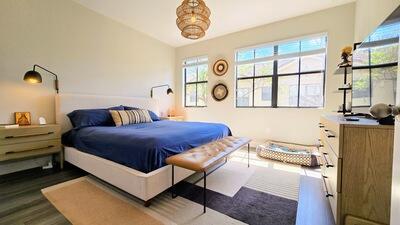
(273, 43)
(285, 56)
(196, 63)
(184, 83)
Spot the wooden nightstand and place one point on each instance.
(30, 141)
(174, 118)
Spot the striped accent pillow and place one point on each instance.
(126, 117)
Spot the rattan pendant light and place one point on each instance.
(193, 18)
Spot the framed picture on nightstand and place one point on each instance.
(23, 118)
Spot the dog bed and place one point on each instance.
(305, 155)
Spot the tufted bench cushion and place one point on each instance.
(205, 156)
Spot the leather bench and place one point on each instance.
(205, 157)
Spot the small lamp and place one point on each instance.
(169, 90)
(34, 77)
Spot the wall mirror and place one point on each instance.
(375, 65)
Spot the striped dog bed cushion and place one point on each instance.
(126, 117)
(305, 155)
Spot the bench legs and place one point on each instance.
(147, 203)
(173, 191)
(248, 155)
(204, 191)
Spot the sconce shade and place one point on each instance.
(33, 77)
(169, 90)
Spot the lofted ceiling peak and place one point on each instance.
(157, 18)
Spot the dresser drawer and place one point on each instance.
(28, 134)
(331, 168)
(47, 145)
(329, 133)
(334, 203)
(331, 195)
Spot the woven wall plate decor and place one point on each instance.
(220, 92)
(220, 67)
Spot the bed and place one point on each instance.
(132, 157)
(145, 146)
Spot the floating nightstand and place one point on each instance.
(30, 141)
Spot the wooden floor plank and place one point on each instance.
(16, 205)
(34, 183)
(313, 207)
(56, 220)
(21, 200)
(43, 216)
(20, 215)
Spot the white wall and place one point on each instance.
(295, 125)
(90, 52)
(369, 14)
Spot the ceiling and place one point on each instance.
(156, 18)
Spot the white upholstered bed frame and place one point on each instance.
(142, 185)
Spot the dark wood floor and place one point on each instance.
(21, 201)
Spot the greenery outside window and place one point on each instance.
(195, 75)
(375, 67)
(283, 74)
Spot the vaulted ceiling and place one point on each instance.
(156, 18)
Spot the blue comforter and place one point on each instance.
(145, 146)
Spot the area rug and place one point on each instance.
(234, 174)
(254, 200)
(163, 209)
(82, 202)
(268, 197)
(276, 182)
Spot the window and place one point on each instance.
(375, 67)
(284, 74)
(195, 81)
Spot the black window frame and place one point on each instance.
(197, 82)
(370, 67)
(275, 78)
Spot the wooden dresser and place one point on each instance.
(30, 141)
(357, 169)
